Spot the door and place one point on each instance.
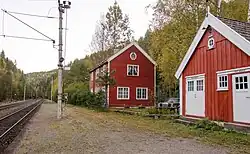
(241, 97)
(195, 100)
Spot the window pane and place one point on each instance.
(245, 85)
(237, 86)
(245, 78)
(225, 84)
(241, 85)
(241, 79)
(236, 79)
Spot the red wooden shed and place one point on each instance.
(214, 75)
(135, 75)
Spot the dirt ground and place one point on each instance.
(85, 131)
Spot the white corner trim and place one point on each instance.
(138, 73)
(235, 70)
(108, 85)
(127, 47)
(146, 93)
(180, 94)
(122, 98)
(224, 30)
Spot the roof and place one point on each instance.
(123, 50)
(243, 28)
(235, 31)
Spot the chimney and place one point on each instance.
(218, 7)
(248, 14)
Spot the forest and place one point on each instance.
(169, 35)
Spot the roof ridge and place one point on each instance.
(245, 22)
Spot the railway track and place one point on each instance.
(10, 105)
(11, 124)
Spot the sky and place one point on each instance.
(34, 56)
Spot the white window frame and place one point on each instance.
(117, 92)
(130, 55)
(220, 88)
(138, 69)
(210, 38)
(141, 94)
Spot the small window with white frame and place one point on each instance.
(132, 70)
(141, 93)
(222, 82)
(122, 92)
(211, 42)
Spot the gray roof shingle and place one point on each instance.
(243, 28)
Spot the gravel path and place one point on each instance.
(83, 131)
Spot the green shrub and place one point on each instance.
(208, 125)
(81, 96)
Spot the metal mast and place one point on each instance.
(61, 8)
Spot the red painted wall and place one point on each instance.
(225, 55)
(145, 78)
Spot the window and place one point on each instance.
(141, 93)
(199, 85)
(133, 56)
(122, 93)
(241, 83)
(222, 82)
(190, 85)
(210, 42)
(133, 70)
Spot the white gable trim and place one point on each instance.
(224, 30)
(127, 47)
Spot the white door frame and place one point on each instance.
(195, 78)
(238, 111)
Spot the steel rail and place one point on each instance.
(21, 119)
(6, 106)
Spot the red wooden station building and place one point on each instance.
(214, 75)
(135, 75)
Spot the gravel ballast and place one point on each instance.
(84, 131)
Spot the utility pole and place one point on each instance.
(61, 8)
(51, 95)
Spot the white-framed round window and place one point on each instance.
(210, 43)
(133, 56)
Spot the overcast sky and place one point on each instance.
(34, 56)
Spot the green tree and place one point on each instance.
(106, 80)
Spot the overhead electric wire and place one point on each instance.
(29, 26)
(33, 15)
(28, 38)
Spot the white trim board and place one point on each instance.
(220, 27)
(127, 47)
(122, 98)
(235, 70)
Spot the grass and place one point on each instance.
(236, 142)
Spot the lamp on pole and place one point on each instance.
(61, 8)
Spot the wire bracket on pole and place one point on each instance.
(29, 27)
